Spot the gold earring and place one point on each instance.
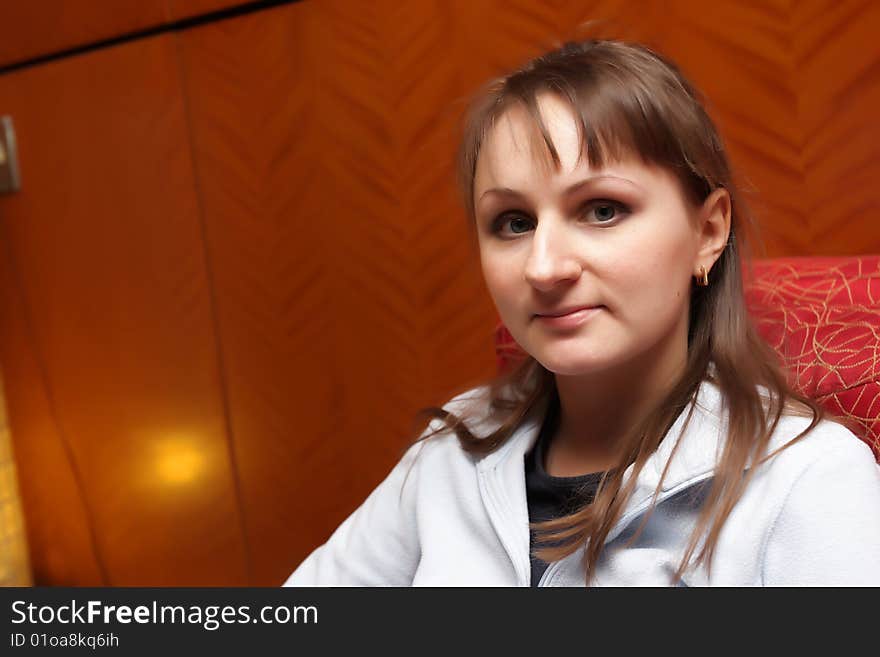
(703, 277)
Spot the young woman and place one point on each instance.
(649, 437)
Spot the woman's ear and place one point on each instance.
(713, 228)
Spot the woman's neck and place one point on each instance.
(599, 409)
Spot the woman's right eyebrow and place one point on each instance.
(501, 191)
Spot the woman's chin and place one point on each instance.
(567, 363)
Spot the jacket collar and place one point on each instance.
(699, 440)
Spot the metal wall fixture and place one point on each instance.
(9, 177)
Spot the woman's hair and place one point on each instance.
(630, 101)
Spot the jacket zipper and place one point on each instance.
(627, 519)
(493, 494)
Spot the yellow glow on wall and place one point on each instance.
(14, 559)
(179, 461)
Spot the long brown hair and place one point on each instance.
(631, 100)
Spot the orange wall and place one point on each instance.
(37, 28)
(237, 266)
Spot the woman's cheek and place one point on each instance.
(503, 294)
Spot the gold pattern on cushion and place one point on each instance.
(822, 315)
(831, 356)
(840, 281)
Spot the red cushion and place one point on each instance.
(822, 314)
(829, 281)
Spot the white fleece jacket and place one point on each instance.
(810, 516)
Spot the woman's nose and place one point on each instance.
(551, 259)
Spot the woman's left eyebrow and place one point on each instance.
(586, 182)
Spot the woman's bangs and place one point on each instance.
(610, 128)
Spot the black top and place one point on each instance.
(552, 497)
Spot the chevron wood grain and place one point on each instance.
(107, 259)
(61, 539)
(40, 27)
(336, 250)
(178, 9)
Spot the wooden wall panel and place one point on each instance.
(33, 28)
(837, 53)
(114, 387)
(346, 300)
(29, 28)
(60, 536)
(793, 86)
(15, 566)
(178, 9)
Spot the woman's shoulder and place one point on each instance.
(481, 410)
(822, 494)
(795, 447)
(472, 407)
(470, 403)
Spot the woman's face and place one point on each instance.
(621, 240)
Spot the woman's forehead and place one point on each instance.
(514, 154)
(515, 134)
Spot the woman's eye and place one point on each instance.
(598, 212)
(605, 211)
(515, 223)
(519, 224)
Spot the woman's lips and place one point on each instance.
(570, 320)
